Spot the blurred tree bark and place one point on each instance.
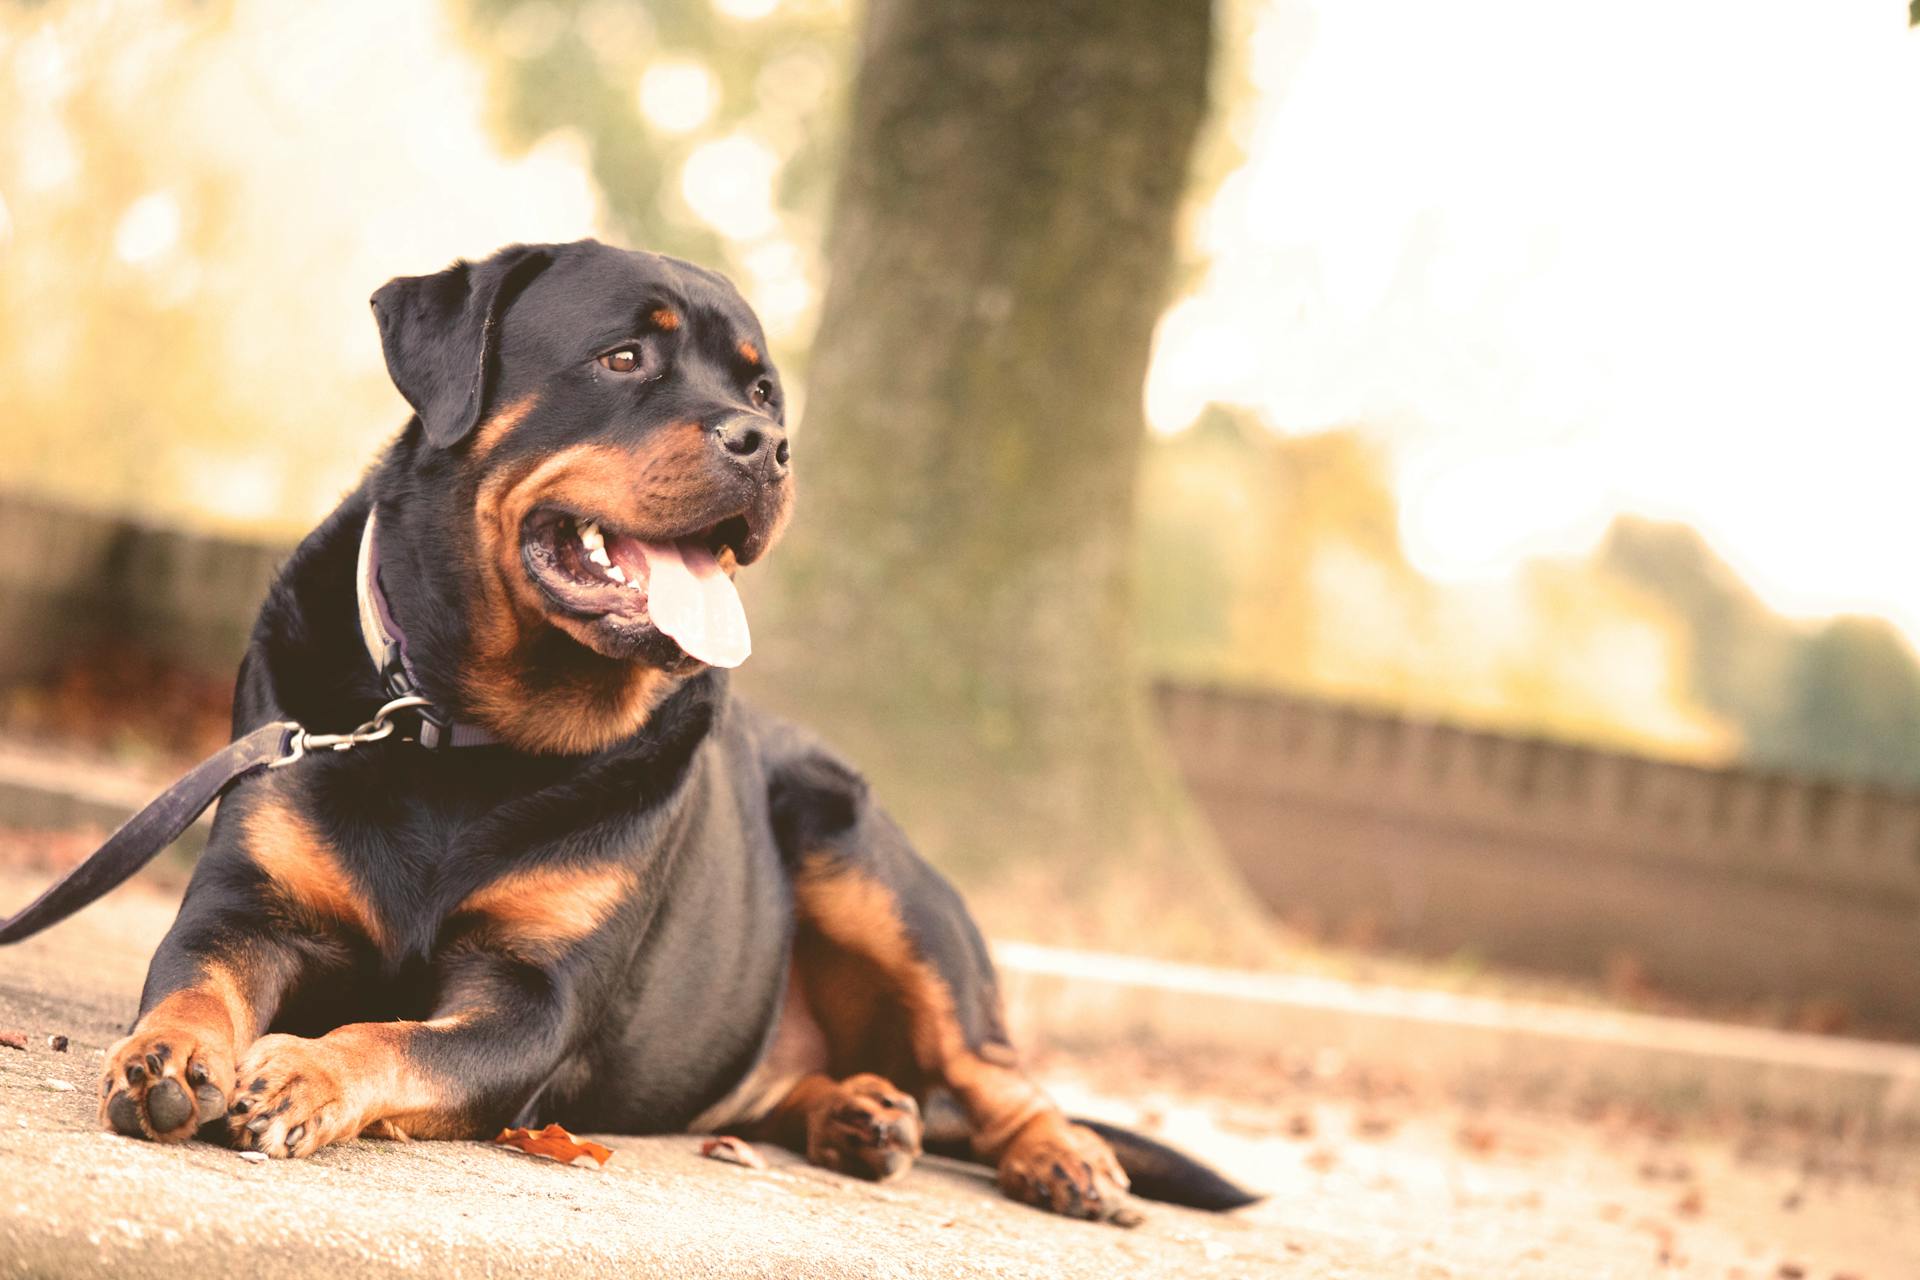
(953, 606)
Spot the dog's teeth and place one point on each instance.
(590, 536)
(600, 557)
(616, 573)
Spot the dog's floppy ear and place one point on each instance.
(441, 334)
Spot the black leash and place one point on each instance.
(141, 838)
(147, 832)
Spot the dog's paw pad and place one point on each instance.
(123, 1114)
(1066, 1169)
(168, 1106)
(866, 1128)
(292, 1098)
(164, 1083)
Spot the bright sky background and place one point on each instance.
(1658, 256)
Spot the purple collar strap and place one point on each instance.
(387, 646)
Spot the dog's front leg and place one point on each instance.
(510, 1008)
(445, 1077)
(214, 984)
(268, 908)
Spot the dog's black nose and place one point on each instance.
(756, 443)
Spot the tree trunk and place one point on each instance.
(953, 606)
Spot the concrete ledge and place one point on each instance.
(1463, 1042)
(1729, 885)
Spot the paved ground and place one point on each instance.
(1373, 1175)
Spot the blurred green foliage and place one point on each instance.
(574, 66)
(1268, 561)
(1839, 698)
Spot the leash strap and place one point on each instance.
(141, 838)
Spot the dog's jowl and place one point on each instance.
(581, 883)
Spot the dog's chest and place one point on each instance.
(422, 855)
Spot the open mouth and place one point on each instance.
(680, 587)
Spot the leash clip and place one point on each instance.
(300, 743)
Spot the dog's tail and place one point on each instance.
(1158, 1172)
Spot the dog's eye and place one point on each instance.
(762, 393)
(625, 360)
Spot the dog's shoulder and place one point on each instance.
(812, 791)
(304, 659)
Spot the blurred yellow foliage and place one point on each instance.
(1277, 561)
(195, 202)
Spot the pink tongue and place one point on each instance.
(690, 599)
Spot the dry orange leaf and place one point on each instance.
(733, 1151)
(1478, 1138)
(554, 1143)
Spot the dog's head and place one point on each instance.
(609, 437)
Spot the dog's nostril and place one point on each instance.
(743, 440)
(754, 443)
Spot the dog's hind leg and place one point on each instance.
(899, 980)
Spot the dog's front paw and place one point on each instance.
(166, 1081)
(1067, 1168)
(294, 1097)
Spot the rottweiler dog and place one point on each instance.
(585, 886)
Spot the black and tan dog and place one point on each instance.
(643, 908)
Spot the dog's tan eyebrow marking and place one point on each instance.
(749, 353)
(546, 909)
(500, 425)
(665, 318)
